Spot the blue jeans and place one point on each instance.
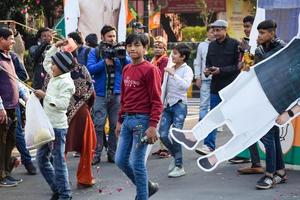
(131, 153)
(106, 107)
(204, 98)
(210, 140)
(175, 115)
(274, 158)
(55, 174)
(20, 140)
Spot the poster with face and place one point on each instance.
(90, 16)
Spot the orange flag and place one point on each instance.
(129, 15)
(154, 21)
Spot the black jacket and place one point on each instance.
(37, 53)
(224, 55)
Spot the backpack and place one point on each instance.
(82, 56)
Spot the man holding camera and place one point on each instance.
(106, 69)
(222, 63)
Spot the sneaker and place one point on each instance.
(152, 188)
(278, 179)
(251, 170)
(239, 160)
(31, 169)
(96, 161)
(176, 172)
(7, 183)
(12, 179)
(204, 150)
(265, 182)
(171, 165)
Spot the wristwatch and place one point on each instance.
(290, 113)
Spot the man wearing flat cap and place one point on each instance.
(222, 63)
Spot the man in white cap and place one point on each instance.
(222, 63)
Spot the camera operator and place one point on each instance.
(105, 65)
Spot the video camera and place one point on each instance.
(116, 50)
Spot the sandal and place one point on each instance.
(164, 154)
(157, 152)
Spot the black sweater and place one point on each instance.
(224, 55)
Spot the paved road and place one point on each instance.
(222, 184)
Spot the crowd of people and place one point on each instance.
(140, 98)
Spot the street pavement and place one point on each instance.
(222, 184)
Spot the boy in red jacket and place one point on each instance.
(140, 111)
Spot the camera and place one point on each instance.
(4, 24)
(116, 50)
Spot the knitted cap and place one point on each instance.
(92, 39)
(63, 60)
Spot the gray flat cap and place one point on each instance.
(220, 23)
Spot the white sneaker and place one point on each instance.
(172, 164)
(204, 150)
(176, 172)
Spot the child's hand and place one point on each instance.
(61, 43)
(39, 94)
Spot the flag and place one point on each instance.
(130, 13)
(154, 21)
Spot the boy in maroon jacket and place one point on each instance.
(140, 111)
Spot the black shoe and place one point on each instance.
(96, 161)
(111, 158)
(265, 182)
(7, 183)
(55, 196)
(152, 188)
(12, 179)
(31, 169)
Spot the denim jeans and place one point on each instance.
(20, 140)
(254, 154)
(210, 140)
(175, 115)
(55, 174)
(131, 153)
(106, 107)
(274, 157)
(204, 98)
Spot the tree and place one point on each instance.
(206, 13)
(46, 8)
